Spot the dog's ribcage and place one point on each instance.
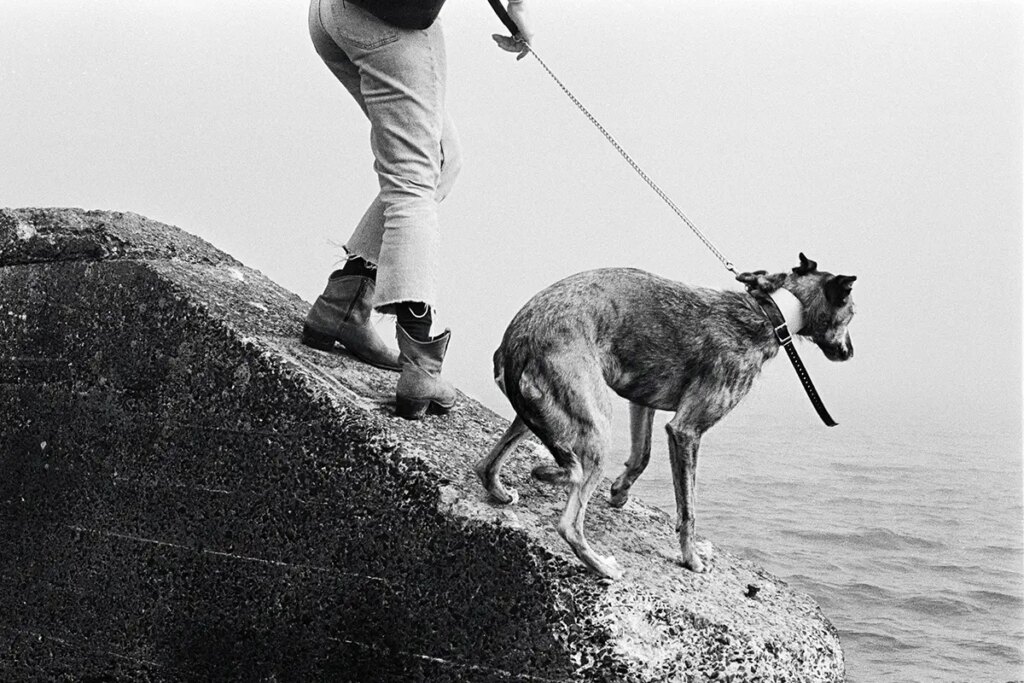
(657, 342)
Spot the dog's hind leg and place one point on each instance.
(488, 469)
(584, 478)
(641, 422)
(569, 409)
(588, 410)
(683, 442)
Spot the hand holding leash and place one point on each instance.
(520, 39)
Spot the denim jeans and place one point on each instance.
(397, 76)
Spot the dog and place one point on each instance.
(660, 344)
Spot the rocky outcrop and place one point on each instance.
(187, 493)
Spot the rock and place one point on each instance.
(188, 492)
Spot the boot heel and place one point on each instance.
(439, 409)
(316, 340)
(411, 409)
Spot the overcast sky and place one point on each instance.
(881, 138)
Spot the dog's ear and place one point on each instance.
(806, 265)
(750, 278)
(753, 281)
(838, 288)
(759, 280)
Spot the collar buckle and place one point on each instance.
(783, 335)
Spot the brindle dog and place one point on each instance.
(663, 346)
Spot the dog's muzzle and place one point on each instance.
(838, 352)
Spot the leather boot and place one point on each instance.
(342, 314)
(421, 388)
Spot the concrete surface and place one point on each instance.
(187, 493)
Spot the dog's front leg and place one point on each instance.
(683, 442)
(641, 421)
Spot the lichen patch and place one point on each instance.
(25, 231)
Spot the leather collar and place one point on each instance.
(770, 308)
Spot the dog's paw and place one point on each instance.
(608, 568)
(619, 498)
(503, 496)
(692, 562)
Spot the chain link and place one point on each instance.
(636, 167)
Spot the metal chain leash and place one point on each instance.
(636, 167)
(794, 357)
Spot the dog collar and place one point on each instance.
(791, 309)
(781, 322)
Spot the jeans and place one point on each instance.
(397, 76)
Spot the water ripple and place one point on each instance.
(868, 538)
(876, 641)
(910, 542)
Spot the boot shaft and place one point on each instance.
(342, 314)
(346, 299)
(421, 387)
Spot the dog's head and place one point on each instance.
(828, 306)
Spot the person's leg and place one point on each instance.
(451, 158)
(415, 317)
(336, 33)
(342, 313)
(401, 90)
(366, 239)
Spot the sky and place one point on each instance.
(883, 139)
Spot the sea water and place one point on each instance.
(906, 533)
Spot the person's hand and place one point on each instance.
(517, 12)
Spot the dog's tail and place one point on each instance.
(509, 365)
(499, 368)
(508, 373)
